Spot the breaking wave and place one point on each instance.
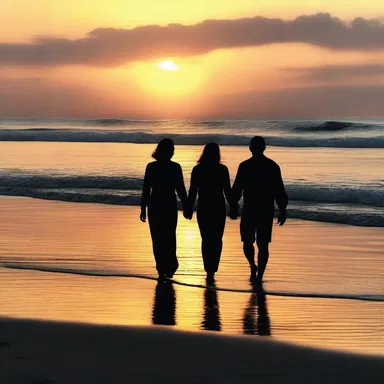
(143, 137)
(332, 126)
(359, 207)
(128, 122)
(283, 125)
(371, 195)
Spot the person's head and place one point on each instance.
(257, 145)
(210, 155)
(164, 150)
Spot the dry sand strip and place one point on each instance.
(33, 352)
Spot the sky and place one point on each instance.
(244, 58)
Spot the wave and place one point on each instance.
(77, 196)
(112, 122)
(350, 215)
(332, 126)
(310, 192)
(107, 136)
(133, 122)
(364, 195)
(107, 273)
(211, 123)
(73, 181)
(353, 205)
(285, 125)
(346, 215)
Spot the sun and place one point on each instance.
(168, 65)
(166, 79)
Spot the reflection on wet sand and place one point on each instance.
(164, 305)
(211, 318)
(256, 319)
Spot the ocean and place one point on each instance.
(333, 169)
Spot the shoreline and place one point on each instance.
(60, 352)
(211, 287)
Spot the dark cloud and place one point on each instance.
(337, 72)
(111, 47)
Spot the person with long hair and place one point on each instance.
(162, 178)
(210, 181)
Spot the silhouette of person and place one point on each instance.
(259, 179)
(257, 303)
(211, 320)
(210, 180)
(162, 178)
(164, 305)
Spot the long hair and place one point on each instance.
(164, 150)
(210, 155)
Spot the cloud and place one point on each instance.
(113, 47)
(337, 72)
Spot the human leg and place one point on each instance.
(262, 259)
(211, 224)
(264, 237)
(249, 252)
(171, 261)
(162, 224)
(157, 242)
(247, 231)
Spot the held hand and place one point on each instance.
(234, 212)
(282, 217)
(188, 213)
(143, 215)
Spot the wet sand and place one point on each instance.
(347, 325)
(306, 258)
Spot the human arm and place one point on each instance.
(281, 199)
(227, 185)
(145, 195)
(193, 190)
(237, 190)
(182, 192)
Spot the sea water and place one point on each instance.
(333, 170)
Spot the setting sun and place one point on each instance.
(173, 80)
(168, 65)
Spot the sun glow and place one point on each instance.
(168, 65)
(172, 80)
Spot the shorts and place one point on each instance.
(252, 230)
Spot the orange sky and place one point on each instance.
(226, 69)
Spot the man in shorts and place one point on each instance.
(259, 180)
